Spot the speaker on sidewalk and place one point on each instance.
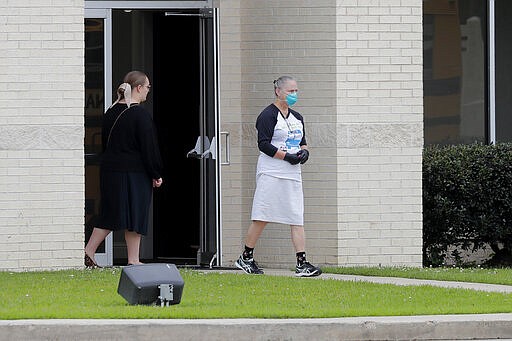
(151, 283)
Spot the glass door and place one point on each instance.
(503, 85)
(197, 115)
(97, 23)
(184, 225)
(209, 128)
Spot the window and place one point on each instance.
(503, 54)
(454, 71)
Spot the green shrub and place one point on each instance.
(467, 201)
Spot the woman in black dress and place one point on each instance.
(131, 167)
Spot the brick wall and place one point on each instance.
(359, 68)
(41, 135)
(380, 132)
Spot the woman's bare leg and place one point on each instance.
(133, 245)
(97, 237)
(298, 238)
(254, 232)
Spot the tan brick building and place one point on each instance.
(359, 65)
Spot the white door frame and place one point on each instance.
(106, 258)
(103, 9)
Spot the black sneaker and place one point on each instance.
(248, 266)
(307, 270)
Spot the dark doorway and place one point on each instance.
(177, 104)
(177, 49)
(168, 50)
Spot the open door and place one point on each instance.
(184, 226)
(97, 80)
(188, 133)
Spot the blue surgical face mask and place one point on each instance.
(291, 98)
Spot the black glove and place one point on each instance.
(303, 154)
(292, 158)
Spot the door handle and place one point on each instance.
(201, 150)
(197, 152)
(228, 154)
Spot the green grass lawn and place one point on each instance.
(475, 275)
(92, 294)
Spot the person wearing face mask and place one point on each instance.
(278, 197)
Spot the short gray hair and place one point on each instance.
(278, 83)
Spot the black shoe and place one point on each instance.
(248, 266)
(90, 263)
(307, 270)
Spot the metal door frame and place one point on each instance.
(106, 258)
(103, 9)
(207, 146)
(127, 4)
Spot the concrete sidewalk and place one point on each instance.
(435, 327)
(400, 281)
(428, 327)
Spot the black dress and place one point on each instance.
(130, 160)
